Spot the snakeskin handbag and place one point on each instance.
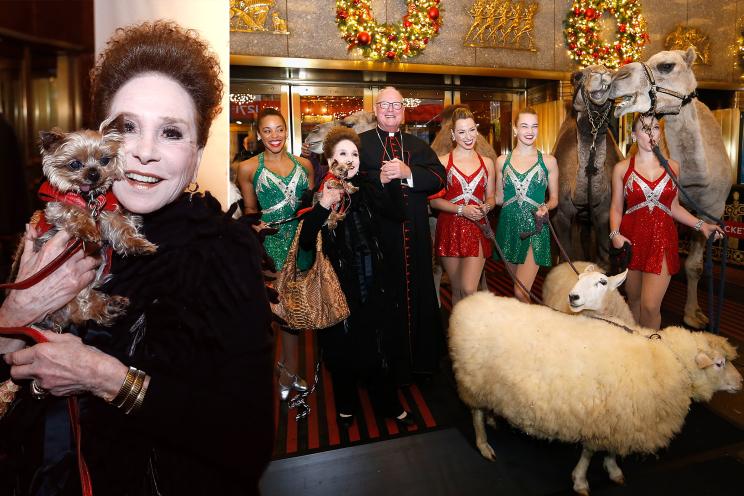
(312, 299)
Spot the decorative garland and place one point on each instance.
(581, 32)
(401, 40)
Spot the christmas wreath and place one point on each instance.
(582, 26)
(401, 40)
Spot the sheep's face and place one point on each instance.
(591, 289)
(715, 363)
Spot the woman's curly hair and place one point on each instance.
(161, 47)
(335, 136)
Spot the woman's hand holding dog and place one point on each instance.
(330, 196)
(23, 307)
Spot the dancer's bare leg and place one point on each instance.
(653, 289)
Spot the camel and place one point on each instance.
(359, 121)
(572, 150)
(693, 138)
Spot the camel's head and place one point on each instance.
(671, 70)
(317, 136)
(592, 288)
(359, 121)
(594, 81)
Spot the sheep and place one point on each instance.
(581, 380)
(592, 293)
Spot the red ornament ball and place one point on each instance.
(407, 24)
(577, 11)
(426, 40)
(433, 13)
(364, 38)
(342, 14)
(622, 27)
(390, 55)
(590, 13)
(392, 37)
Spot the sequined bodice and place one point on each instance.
(466, 190)
(279, 197)
(525, 187)
(643, 194)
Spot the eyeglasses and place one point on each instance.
(393, 105)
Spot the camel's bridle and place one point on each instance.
(655, 88)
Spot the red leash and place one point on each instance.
(72, 246)
(72, 408)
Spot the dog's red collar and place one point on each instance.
(49, 193)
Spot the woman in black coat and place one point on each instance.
(359, 349)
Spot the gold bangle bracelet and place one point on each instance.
(140, 397)
(126, 386)
(134, 391)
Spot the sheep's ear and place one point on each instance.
(616, 280)
(703, 360)
(589, 268)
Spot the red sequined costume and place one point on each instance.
(648, 221)
(458, 236)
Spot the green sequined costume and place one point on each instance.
(523, 194)
(279, 198)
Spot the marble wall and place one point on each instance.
(313, 34)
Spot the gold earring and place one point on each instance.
(193, 187)
(633, 139)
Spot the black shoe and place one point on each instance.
(345, 421)
(406, 421)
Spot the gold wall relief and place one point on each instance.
(249, 16)
(502, 24)
(685, 36)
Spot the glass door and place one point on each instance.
(493, 113)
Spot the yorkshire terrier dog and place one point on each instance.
(80, 168)
(337, 178)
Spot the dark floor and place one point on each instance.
(701, 461)
(706, 458)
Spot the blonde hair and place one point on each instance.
(460, 113)
(526, 110)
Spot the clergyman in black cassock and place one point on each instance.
(407, 247)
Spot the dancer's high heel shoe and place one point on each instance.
(298, 383)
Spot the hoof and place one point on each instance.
(620, 481)
(487, 452)
(698, 320)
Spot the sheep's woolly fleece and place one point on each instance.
(576, 379)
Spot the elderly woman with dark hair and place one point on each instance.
(195, 342)
(358, 349)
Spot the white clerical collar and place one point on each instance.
(390, 134)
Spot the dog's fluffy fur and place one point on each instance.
(87, 163)
(336, 178)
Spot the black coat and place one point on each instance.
(199, 324)
(407, 247)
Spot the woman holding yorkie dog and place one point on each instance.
(468, 198)
(358, 348)
(176, 395)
